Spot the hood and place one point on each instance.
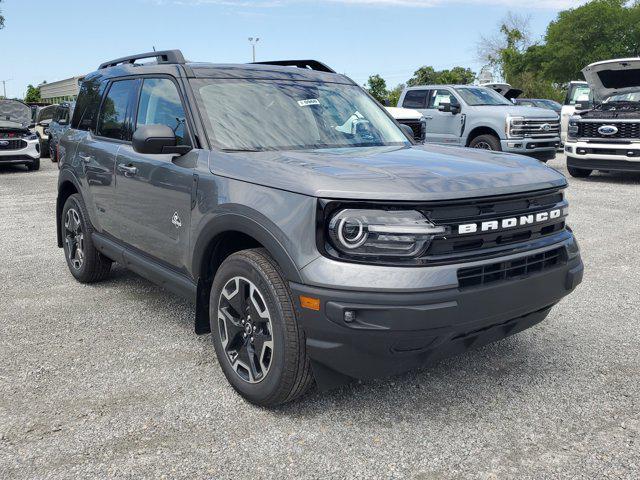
(526, 112)
(504, 89)
(404, 113)
(613, 77)
(412, 173)
(14, 113)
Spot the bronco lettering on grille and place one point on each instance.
(511, 222)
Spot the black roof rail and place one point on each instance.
(164, 56)
(308, 64)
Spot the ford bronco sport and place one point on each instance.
(607, 136)
(312, 252)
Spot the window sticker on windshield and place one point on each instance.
(311, 101)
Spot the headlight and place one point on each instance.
(370, 233)
(514, 127)
(572, 128)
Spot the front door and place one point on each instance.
(443, 127)
(154, 192)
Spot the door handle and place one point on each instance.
(127, 170)
(86, 158)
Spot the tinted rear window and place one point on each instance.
(415, 99)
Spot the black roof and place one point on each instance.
(173, 62)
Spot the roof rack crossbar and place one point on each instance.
(308, 64)
(164, 56)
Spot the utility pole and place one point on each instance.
(4, 86)
(253, 41)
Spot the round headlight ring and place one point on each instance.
(351, 239)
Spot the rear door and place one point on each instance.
(154, 192)
(443, 127)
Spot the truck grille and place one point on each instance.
(538, 128)
(12, 144)
(626, 130)
(456, 247)
(510, 269)
(418, 128)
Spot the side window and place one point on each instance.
(112, 121)
(160, 105)
(87, 105)
(415, 99)
(441, 96)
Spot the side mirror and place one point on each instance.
(63, 122)
(408, 131)
(449, 107)
(157, 139)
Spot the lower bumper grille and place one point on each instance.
(511, 269)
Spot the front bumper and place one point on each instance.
(27, 154)
(396, 332)
(539, 148)
(603, 156)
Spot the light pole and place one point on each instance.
(253, 41)
(4, 86)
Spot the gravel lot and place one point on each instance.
(110, 381)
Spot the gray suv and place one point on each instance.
(479, 117)
(315, 247)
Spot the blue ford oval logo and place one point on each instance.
(4, 143)
(608, 130)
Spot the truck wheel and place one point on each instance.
(486, 142)
(35, 165)
(85, 263)
(579, 172)
(52, 152)
(256, 336)
(44, 148)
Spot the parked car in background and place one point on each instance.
(44, 116)
(59, 124)
(479, 117)
(578, 93)
(607, 136)
(540, 103)
(412, 119)
(316, 248)
(18, 145)
(504, 89)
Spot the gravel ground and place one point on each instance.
(110, 381)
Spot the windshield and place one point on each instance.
(254, 115)
(578, 93)
(625, 97)
(549, 104)
(476, 96)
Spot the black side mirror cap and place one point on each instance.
(156, 140)
(450, 108)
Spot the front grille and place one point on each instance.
(12, 144)
(626, 130)
(510, 269)
(461, 247)
(538, 128)
(418, 129)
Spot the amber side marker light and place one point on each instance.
(310, 303)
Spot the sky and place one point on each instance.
(47, 40)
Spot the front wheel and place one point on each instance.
(52, 152)
(35, 165)
(579, 172)
(486, 142)
(259, 344)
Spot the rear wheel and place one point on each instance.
(486, 142)
(256, 336)
(579, 172)
(85, 263)
(52, 152)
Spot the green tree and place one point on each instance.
(33, 94)
(1, 19)
(394, 95)
(377, 87)
(598, 30)
(427, 75)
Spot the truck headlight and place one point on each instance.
(514, 127)
(573, 128)
(383, 233)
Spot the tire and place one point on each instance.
(35, 165)
(44, 148)
(275, 368)
(579, 172)
(52, 152)
(486, 142)
(85, 263)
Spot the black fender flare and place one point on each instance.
(260, 229)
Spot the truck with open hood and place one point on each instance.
(606, 136)
(18, 145)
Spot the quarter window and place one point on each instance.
(160, 105)
(113, 114)
(86, 111)
(415, 99)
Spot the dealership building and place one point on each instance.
(60, 91)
